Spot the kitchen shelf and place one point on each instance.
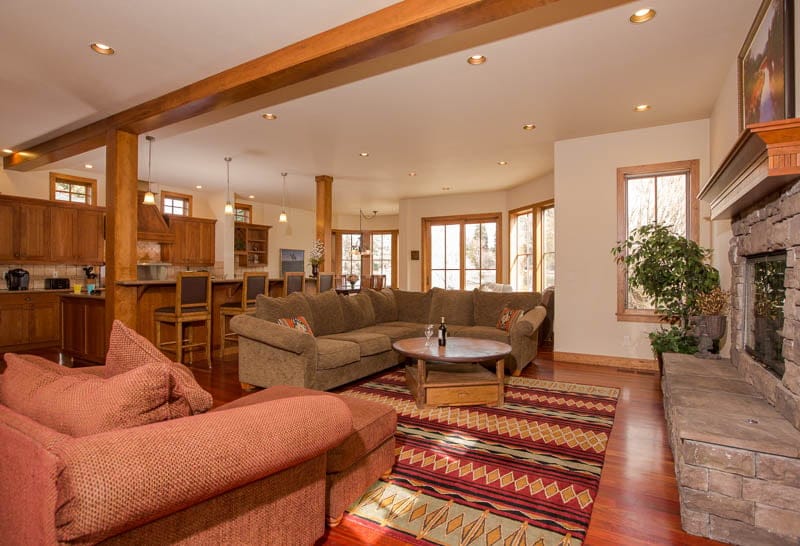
(255, 240)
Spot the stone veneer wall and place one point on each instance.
(770, 228)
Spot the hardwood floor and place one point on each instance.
(637, 503)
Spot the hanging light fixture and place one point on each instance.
(359, 250)
(228, 204)
(149, 196)
(283, 218)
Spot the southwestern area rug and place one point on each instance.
(524, 474)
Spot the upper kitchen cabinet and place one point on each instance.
(40, 231)
(194, 241)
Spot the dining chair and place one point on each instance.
(377, 282)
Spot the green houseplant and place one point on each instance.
(672, 271)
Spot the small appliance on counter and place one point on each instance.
(56, 284)
(17, 279)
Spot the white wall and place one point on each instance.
(586, 229)
(530, 193)
(348, 222)
(36, 184)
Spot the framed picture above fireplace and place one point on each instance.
(766, 65)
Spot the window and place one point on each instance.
(384, 246)
(533, 252)
(73, 189)
(461, 252)
(349, 263)
(177, 204)
(243, 213)
(663, 193)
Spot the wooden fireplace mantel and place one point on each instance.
(764, 158)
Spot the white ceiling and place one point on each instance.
(446, 120)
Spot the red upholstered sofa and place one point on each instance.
(86, 460)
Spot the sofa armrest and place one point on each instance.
(274, 335)
(124, 478)
(530, 321)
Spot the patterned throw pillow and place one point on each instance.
(508, 317)
(296, 323)
(128, 350)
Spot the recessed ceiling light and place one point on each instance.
(642, 15)
(641, 107)
(8, 151)
(199, 187)
(476, 59)
(529, 127)
(89, 166)
(412, 173)
(447, 188)
(269, 116)
(502, 163)
(364, 154)
(251, 196)
(101, 48)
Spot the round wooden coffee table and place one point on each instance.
(452, 375)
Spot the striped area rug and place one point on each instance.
(524, 474)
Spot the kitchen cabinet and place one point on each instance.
(194, 241)
(29, 320)
(40, 231)
(251, 244)
(83, 330)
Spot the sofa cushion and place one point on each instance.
(82, 404)
(384, 303)
(127, 349)
(412, 306)
(508, 317)
(293, 305)
(326, 313)
(488, 305)
(454, 305)
(395, 330)
(368, 343)
(296, 323)
(484, 332)
(358, 311)
(334, 353)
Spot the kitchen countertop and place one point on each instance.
(35, 291)
(169, 282)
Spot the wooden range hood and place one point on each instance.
(765, 158)
(151, 225)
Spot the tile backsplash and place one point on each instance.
(38, 273)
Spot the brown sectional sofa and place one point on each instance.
(353, 335)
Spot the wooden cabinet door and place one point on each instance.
(33, 232)
(179, 254)
(13, 321)
(200, 242)
(8, 231)
(45, 323)
(62, 234)
(90, 237)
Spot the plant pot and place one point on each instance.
(707, 329)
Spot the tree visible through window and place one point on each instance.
(664, 194)
(382, 253)
(533, 252)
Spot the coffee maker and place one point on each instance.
(17, 279)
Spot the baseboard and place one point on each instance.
(610, 361)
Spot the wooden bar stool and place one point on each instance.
(324, 282)
(294, 282)
(192, 306)
(253, 284)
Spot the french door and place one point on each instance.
(461, 253)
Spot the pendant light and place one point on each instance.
(359, 250)
(149, 197)
(283, 218)
(228, 204)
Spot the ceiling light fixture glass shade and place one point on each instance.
(228, 204)
(282, 218)
(149, 196)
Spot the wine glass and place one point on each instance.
(428, 334)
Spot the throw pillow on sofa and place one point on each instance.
(508, 318)
(127, 350)
(296, 323)
(80, 404)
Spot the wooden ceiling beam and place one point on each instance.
(397, 27)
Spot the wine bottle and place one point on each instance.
(442, 334)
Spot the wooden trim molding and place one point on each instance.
(609, 361)
(175, 195)
(90, 183)
(386, 31)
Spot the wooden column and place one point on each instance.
(121, 184)
(325, 218)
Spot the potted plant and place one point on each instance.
(672, 271)
(315, 256)
(709, 324)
